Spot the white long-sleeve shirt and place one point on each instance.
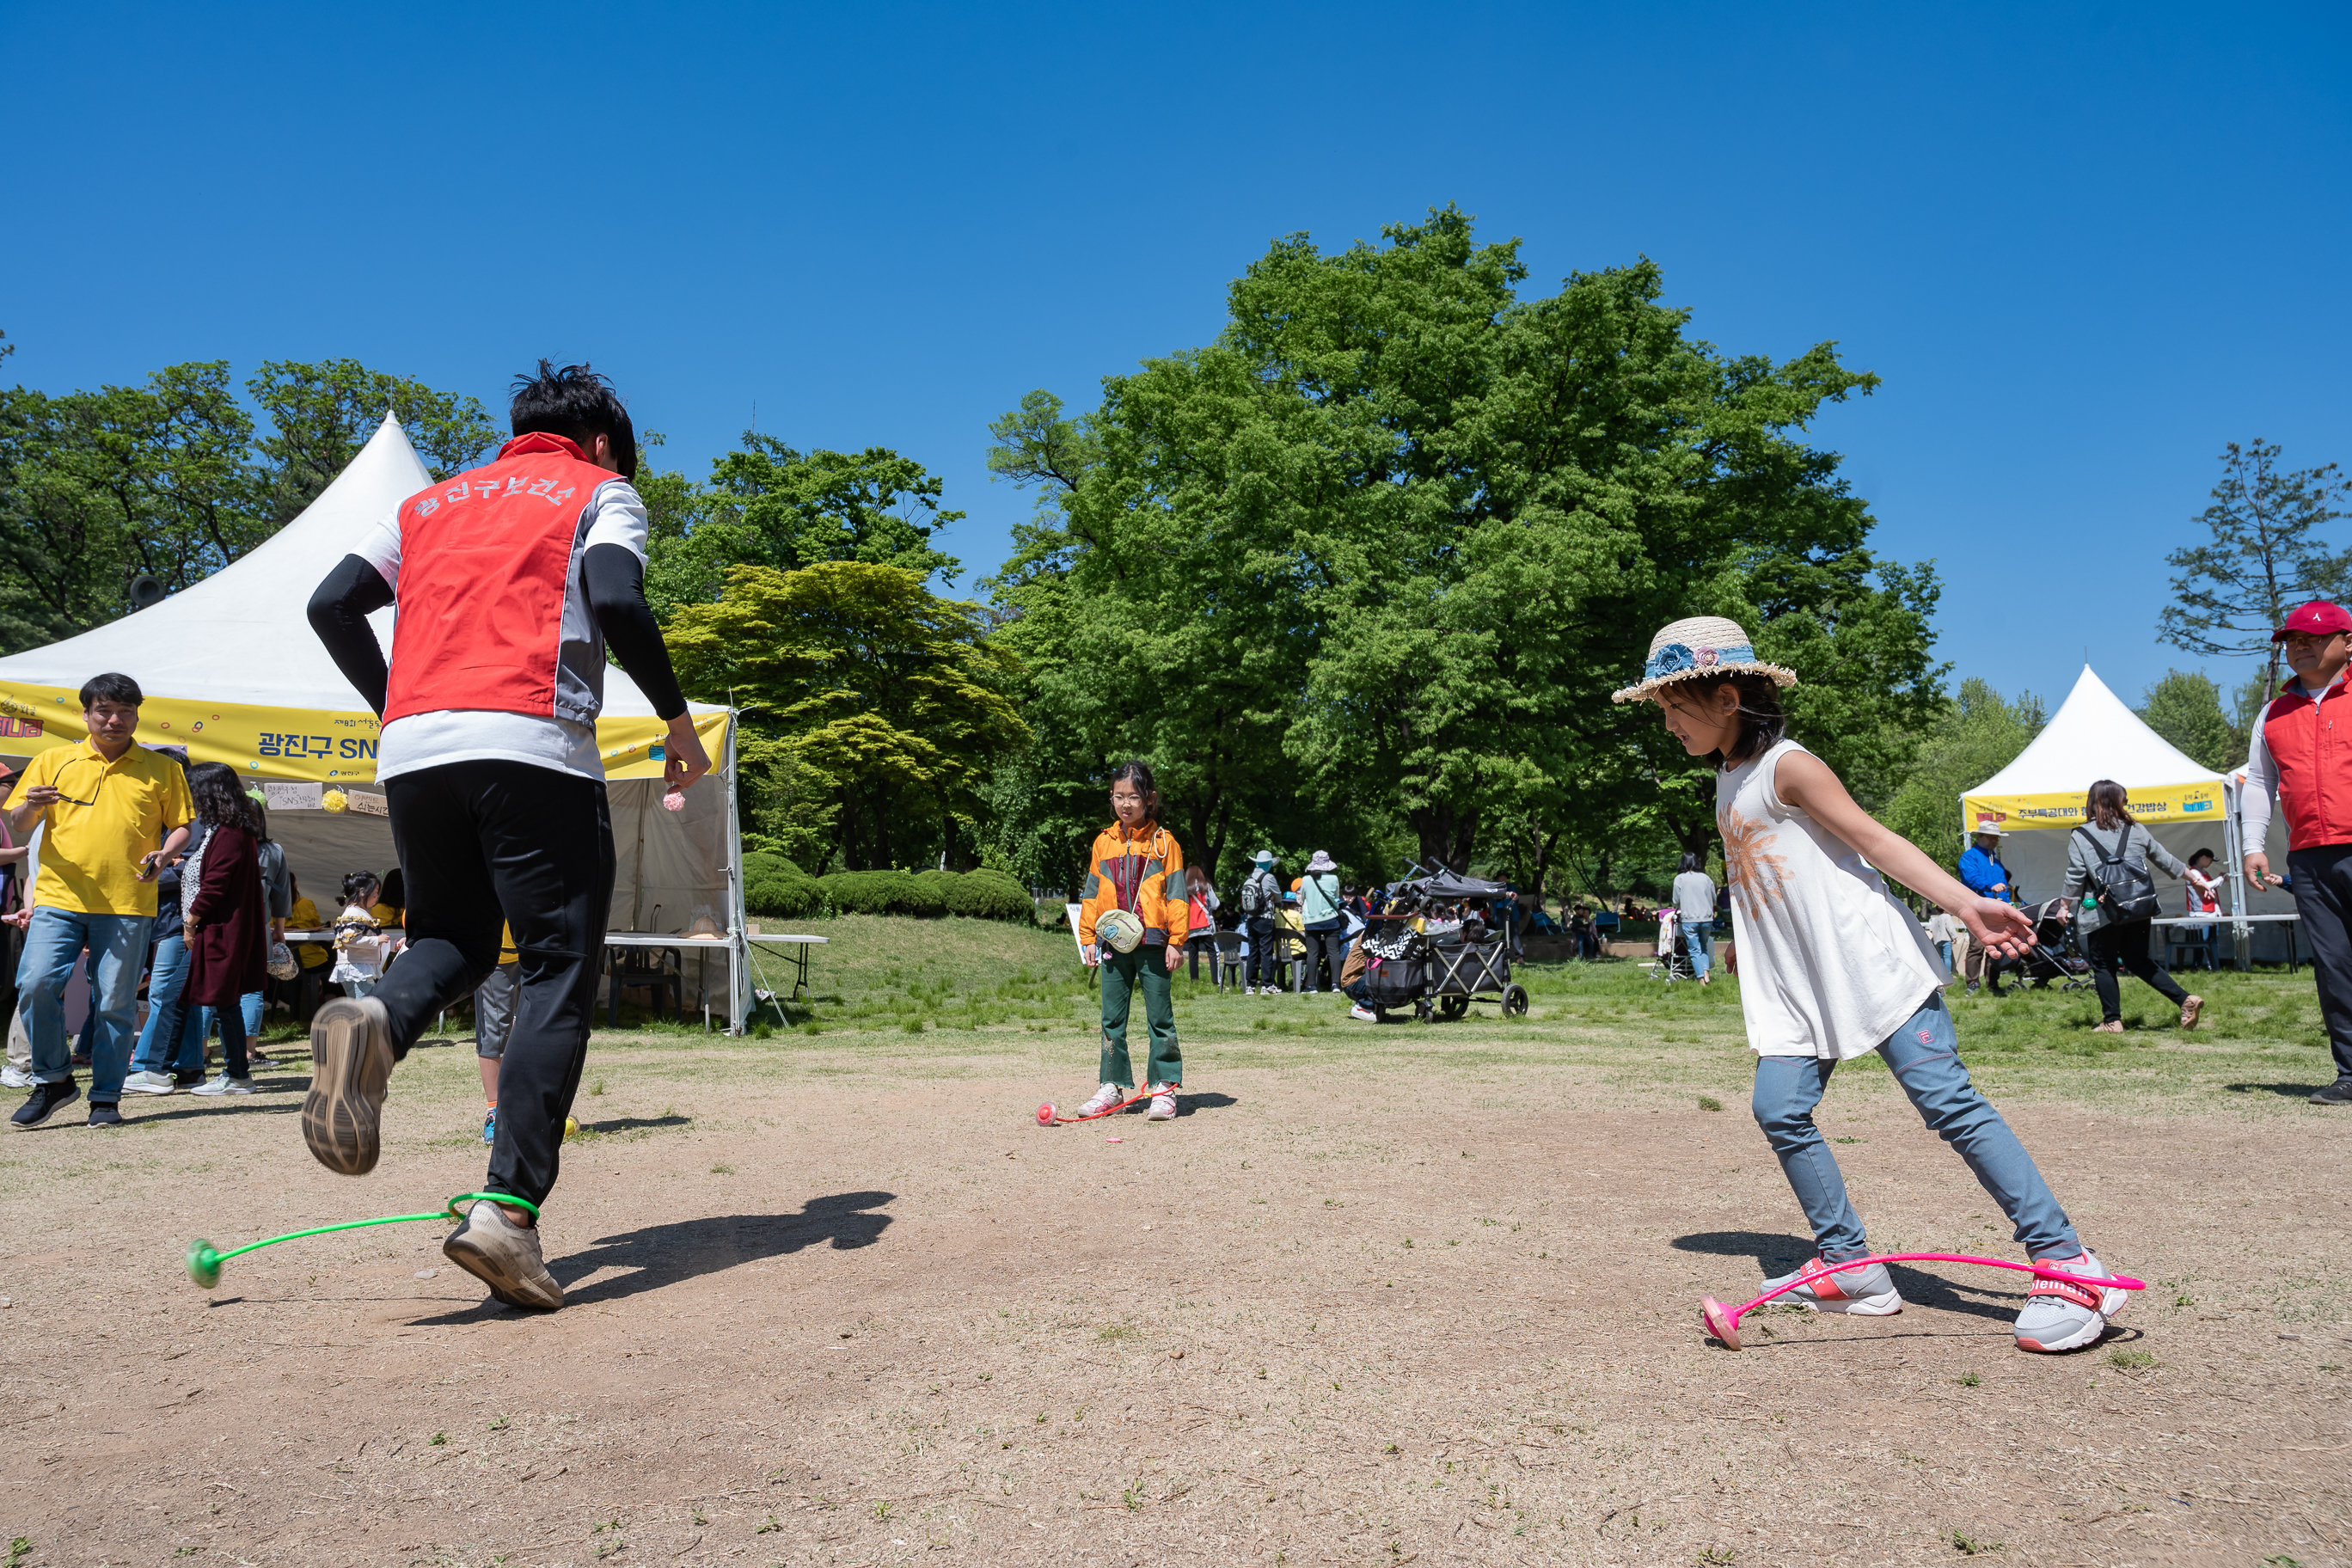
(2255, 800)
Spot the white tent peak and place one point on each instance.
(242, 633)
(2095, 736)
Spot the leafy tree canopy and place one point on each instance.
(1965, 742)
(2185, 708)
(2263, 558)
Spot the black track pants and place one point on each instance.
(482, 842)
(2114, 948)
(2323, 899)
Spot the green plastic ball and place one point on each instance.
(204, 1263)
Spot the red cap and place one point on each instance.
(2320, 617)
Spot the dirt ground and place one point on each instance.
(1418, 1293)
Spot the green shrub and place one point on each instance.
(882, 893)
(942, 884)
(773, 886)
(990, 896)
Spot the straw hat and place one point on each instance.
(1697, 646)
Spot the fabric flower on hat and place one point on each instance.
(1672, 660)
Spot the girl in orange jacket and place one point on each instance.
(1136, 868)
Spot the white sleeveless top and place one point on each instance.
(1831, 964)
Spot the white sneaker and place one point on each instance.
(1867, 1292)
(1106, 1097)
(1366, 1014)
(149, 1083)
(2060, 1315)
(225, 1085)
(14, 1077)
(1163, 1103)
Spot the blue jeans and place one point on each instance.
(171, 1042)
(1699, 940)
(248, 1007)
(1927, 1063)
(118, 946)
(1945, 950)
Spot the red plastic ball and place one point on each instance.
(1046, 1114)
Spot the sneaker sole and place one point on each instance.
(340, 1114)
(1881, 1305)
(141, 1088)
(2088, 1334)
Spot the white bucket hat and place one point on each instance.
(1697, 646)
(1982, 829)
(1321, 862)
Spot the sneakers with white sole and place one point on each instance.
(1366, 1014)
(14, 1077)
(224, 1084)
(149, 1083)
(505, 1257)
(1864, 1293)
(2060, 1315)
(1163, 1103)
(1106, 1097)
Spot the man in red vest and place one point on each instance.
(2299, 755)
(509, 582)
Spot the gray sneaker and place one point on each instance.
(2060, 1315)
(505, 1257)
(1864, 1293)
(2337, 1093)
(350, 1067)
(149, 1083)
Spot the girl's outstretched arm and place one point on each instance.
(1805, 782)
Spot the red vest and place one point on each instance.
(2313, 760)
(486, 562)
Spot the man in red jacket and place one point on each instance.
(2302, 752)
(511, 581)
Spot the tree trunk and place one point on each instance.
(1446, 837)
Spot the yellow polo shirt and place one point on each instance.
(114, 813)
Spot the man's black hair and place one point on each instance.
(113, 687)
(577, 403)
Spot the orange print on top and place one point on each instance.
(1758, 877)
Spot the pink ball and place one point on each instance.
(1046, 1114)
(674, 800)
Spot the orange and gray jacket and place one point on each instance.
(1142, 871)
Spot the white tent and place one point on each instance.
(2038, 801)
(232, 671)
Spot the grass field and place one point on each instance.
(1411, 1292)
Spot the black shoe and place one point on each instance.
(105, 1113)
(1972, 988)
(2337, 1093)
(45, 1100)
(187, 1079)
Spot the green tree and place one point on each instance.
(2264, 558)
(321, 413)
(1409, 529)
(860, 688)
(2185, 708)
(1968, 742)
(771, 505)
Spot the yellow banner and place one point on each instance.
(2016, 813)
(298, 743)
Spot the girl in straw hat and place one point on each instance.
(1832, 964)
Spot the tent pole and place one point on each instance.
(2241, 934)
(737, 927)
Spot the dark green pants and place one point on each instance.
(1122, 973)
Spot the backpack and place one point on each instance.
(1257, 895)
(2125, 893)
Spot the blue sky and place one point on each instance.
(2082, 249)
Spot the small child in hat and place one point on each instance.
(1832, 964)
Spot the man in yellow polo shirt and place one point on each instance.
(112, 811)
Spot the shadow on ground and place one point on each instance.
(2289, 1090)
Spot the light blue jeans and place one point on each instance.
(117, 949)
(171, 1042)
(1925, 1059)
(1699, 940)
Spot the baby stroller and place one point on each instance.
(1672, 963)
(1465, 957)
(2050, 958)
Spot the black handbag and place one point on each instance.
(2124, 894)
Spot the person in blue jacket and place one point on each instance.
(1983, 873)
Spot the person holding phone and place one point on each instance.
(112, 811)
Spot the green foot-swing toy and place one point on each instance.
(205, 1260)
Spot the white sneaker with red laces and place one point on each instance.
(1163, 1103)
(1106, 1097)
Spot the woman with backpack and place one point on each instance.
(2109, 855)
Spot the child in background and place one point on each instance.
(1835, 965)
(494, 1016)
(1134, 867)
(1943, 930)
(359, 947)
